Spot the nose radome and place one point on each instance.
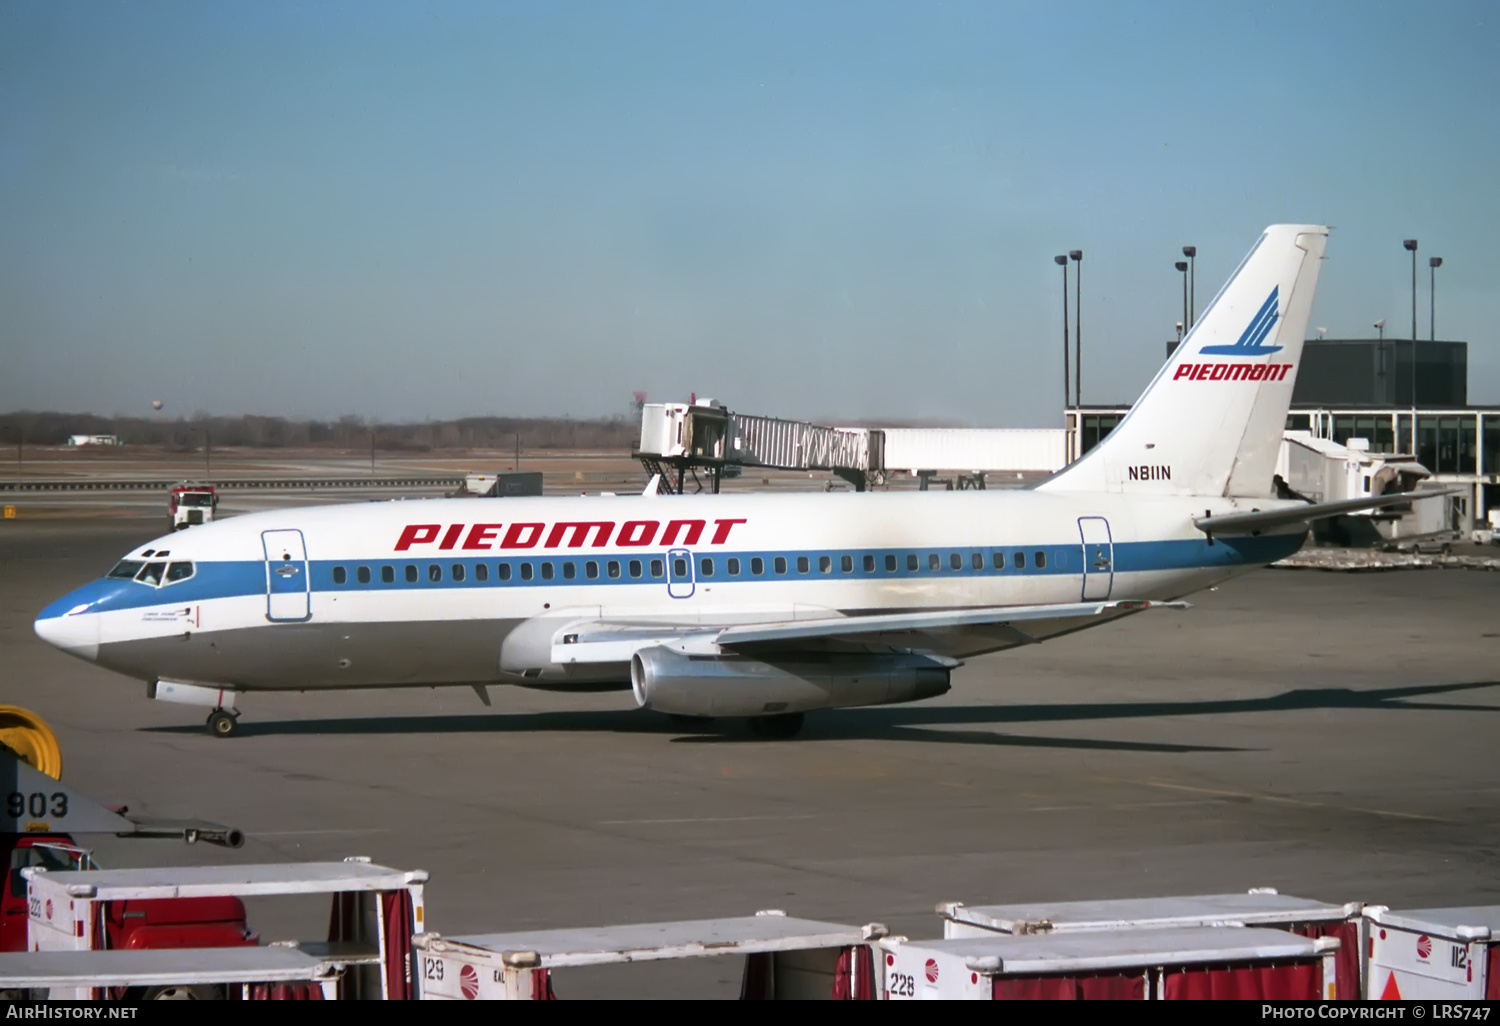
(76, 634)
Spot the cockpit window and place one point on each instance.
(151, 573)
(179, 572)
(126, 569)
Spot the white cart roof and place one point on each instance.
(1124, 949)
(146, 968)
(206, 881)
(1466, 922)
(639, 942)
(1129, 913)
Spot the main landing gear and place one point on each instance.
(223, 723)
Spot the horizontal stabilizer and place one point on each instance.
(1256, 521)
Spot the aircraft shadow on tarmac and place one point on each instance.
(926, 724)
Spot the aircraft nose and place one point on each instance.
(74, 630)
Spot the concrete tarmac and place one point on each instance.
(1331, 735)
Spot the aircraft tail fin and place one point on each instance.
(1211, 421)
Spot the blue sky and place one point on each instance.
(834, 210)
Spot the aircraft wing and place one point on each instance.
(1256, 521)
(953, 632)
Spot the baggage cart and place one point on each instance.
(785, 957)
(376, 910)
(1169, 963)
(275, 972)
(1262, 906)
(1445, 954)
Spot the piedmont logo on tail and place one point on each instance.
(757, 606)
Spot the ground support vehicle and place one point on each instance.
(1170, 963)
(189, 504)
(273, 972)
(1447, 954)
(1262, 906)
(785, 957)
(376, 911)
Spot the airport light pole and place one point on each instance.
(1182, 265)
(1062, 261)
(1410, 245)
(1433, 263)
(1076, 255)
(1191, 252)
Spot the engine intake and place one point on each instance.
(683, 685)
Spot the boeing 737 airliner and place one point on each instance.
(759, 606)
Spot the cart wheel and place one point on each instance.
(222, 724)
(778, 727)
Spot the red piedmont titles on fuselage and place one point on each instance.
(570, 534)
(1232, 371)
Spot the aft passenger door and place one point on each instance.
(288, 589)
(1098, 558)
(680, 574)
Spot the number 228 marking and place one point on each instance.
(903, 985)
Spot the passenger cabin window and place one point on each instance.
(657, 568)
(434, 572)
(388, 575)
(1020, 561)
(679, 568)
(757, 565)
(955, 561)
(125, 569)
(802, 564)
(614, 568)
(734, 567)
(780, 564)
(525, 571)
(503, 570)
(570, 570)
(977, 561)
(635, 569)
(481, 571)
(825, 564)
(151, 573)
(934, 561)
(340, 575)
(706, 566)
(546, 571)
(869, 564)
(363, 575)
(998, 560)
(411, 573)
(591, 569)
(1041, 560)
(890, 564)
(846, 564)
(458, 571)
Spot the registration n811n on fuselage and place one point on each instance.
(758, 606)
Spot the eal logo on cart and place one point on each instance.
(1424, 947)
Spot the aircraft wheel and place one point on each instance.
(222, 724)
(776, 728)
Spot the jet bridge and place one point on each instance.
(693, 446)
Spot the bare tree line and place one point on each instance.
(188, 433)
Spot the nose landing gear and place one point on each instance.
(222, 723)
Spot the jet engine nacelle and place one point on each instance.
(683, 685)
